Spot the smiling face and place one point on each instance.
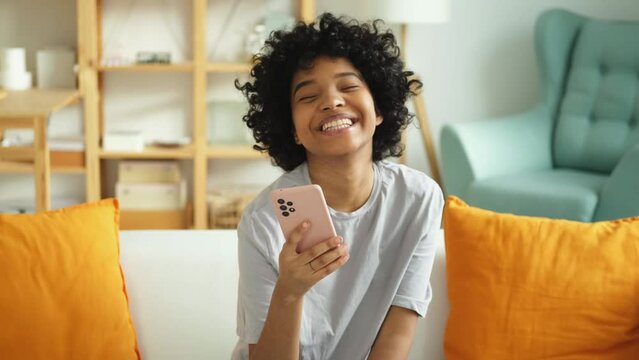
(333, 109)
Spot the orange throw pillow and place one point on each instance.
(535, 288)
(62, 293)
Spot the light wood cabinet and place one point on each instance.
(91, 79)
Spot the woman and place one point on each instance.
(327, 103)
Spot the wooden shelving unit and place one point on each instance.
(30, 109)
(91, 76)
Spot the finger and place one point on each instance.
(319, 249)
(328, 257)
(298, 234)
(330, 268)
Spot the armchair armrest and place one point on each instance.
(619, 197)
(483, 149)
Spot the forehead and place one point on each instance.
(324, 66)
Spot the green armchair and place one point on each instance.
(575, 155)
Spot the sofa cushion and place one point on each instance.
(559, 193)
(534, 288)
(62, 294)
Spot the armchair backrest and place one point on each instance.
(597, 101)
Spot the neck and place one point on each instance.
(347, 183)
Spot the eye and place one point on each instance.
(350, 87)
(307, 98)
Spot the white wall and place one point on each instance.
(478, 65)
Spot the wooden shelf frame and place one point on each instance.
(91, 76)
(31, 109)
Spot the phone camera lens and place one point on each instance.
(285, 213)
(280, 201)
(291, 209)
(289, 203)
(282, 207)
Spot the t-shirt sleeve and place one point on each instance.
(256, 283)
(414, 292)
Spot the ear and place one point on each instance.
(297, 140)
(378, 117)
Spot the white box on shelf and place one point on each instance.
(132, 141)
(151, 196)
(149, 171)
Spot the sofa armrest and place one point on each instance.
(483, 149)
(619, 197)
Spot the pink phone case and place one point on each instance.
(296, 204)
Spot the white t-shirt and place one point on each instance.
(391, 242)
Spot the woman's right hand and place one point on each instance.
(299, 272)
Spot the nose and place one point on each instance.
(331, 100)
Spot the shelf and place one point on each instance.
(223, 67)
(16, 167)
(27, 168)
(233, 152)
(151, 152)
(35, 102)
(183, 67)
(17, 153)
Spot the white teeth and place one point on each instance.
(337, 124)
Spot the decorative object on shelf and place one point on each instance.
(225, 123)
(55, 68)
(123, 140)
(171, 143)
(13, 69)
(227, 203)
(405, 12)
(153, 57)
(116, 60)
(17, 137)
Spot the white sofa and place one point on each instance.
(182, 289)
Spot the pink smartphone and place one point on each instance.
(296, 204)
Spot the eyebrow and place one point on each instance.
(338, 75)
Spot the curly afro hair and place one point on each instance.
(370, 49)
